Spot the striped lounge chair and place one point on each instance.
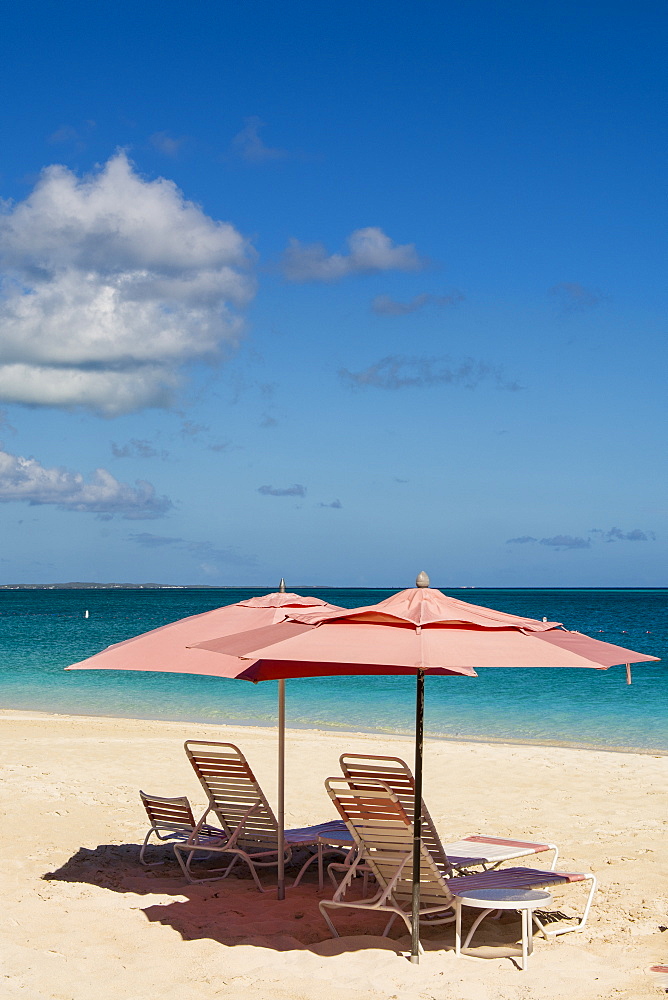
(479, 851)
(383, 834)
(247, 828)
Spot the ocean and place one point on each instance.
(42, 631)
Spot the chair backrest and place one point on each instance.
(232, 790)
(383, 833)
(396, 773)
(168, 814)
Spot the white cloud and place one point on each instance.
(24, 479)
(110, 284)
(369, 250)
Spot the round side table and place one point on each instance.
(490, 900)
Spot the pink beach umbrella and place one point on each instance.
(417, 632)
(169, 649)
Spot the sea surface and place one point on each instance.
(42, 631)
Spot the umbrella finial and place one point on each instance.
(281, 586)
(422, 580)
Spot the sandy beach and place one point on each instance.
(82, 919)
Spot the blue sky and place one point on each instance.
(334, 292)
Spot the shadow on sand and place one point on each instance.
(233, 912)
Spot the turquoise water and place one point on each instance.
(41, 631)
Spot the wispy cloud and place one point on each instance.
(190, 429)
(249, 145)
(151, 541)
(335, 503)
(167, 144)
(24, 479)
(385, 305)
(67, 135)
(137, 448)
(369, 251)
(207, 552)
(574, 297)
(109, 286)
(398, 372)
(617, 535)
(296, 490)
(562, 543)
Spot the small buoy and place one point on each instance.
(87, 615)
(544, 618)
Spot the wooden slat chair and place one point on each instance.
(470, 853)
(170, 819)
(248, 828)
(383, 834)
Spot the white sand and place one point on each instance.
(105, 927)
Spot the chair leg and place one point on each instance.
(143, 851)
(322, 906)
(581, 922)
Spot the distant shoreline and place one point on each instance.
(270, 588)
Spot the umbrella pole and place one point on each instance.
(417, 818)
(281, 789)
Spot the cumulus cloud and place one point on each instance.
(385, 305)
(574, 297)
(369, 249)
(296, 490)
(335, 503)
(562, 543)
(109, 285)
(137, 448)
(398, 372)
(24, 479)
(249, 145)
(205, 551)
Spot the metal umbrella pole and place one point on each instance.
(417, 818)
(281, 790)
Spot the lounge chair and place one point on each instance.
(383, 835)
(479, 851)
(170, 819)
(248, 828)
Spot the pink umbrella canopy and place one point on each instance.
(417, 630)
(166, 649)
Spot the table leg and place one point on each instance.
(525, 919)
